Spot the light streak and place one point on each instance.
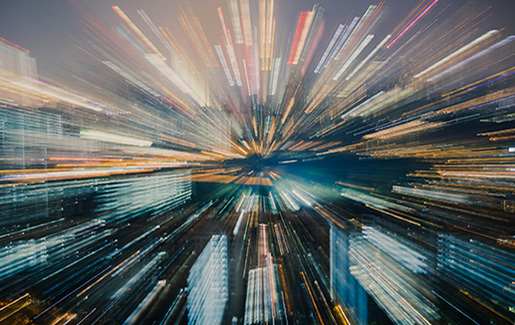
(130, 40)
(458, 52)
(506, 72)
(224, 64)
(234, 64)
(276, 66)
(14, 301)
(238, 223)
(354, 55)
(329, 48)
(246, 22)
(236, 23)
(154, 29)
(300, 35)
(360, 28)
(412, 23)
(14, 46)
(100, 172)
(176, 106)
(116, 138)
(137, 31)
(369, 56)
(362, 106)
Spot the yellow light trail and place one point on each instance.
(177, 99)
(479, 81)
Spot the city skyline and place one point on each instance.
(256, 162)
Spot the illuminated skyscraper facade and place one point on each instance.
(345, 289)
(207, 283)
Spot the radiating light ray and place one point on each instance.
(412, 23)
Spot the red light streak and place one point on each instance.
(298, 34)
(17, 47)
(374, 13)
(412, 23)
(175, 105)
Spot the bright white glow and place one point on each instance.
(329, 47)
(474, 57)
(224, 64)
(342, 40)
(356, 30)
(234, 64)
(354, 56)
(236, 23)
(238, 223)
(380, 45)
(458, 52)
(396, 249)
(111, 137)
(275, 75)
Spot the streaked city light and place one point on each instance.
(257, 162)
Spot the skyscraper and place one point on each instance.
(207, 283)
(345, 289)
